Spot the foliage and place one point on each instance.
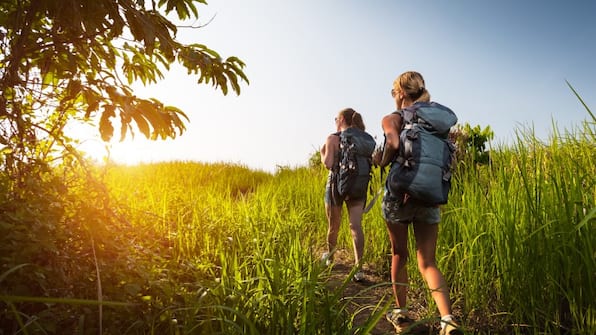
(54, 238)
(67, 247)
(314, 161)
(222, 249)
(74, 59)
(188, 248)
(470, 143)
(198, 249)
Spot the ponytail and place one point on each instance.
(412, 84)
(353, 118)
(357, 121)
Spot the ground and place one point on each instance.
(366, 295)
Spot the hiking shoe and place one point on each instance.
(326, 258)
(451, 328)
(358, 276)
(402, 323)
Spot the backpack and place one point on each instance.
(355, 150)
(422, 167)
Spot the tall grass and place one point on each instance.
(250, 244)
(222, 249)
(520, 240)
(516, 241)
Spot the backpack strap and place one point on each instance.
(335, 168)
(409, 114)
(401, 112)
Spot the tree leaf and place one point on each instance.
(105, 125)
(69, 59)
(141, 122)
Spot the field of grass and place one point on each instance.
(192, 248)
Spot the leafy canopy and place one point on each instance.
(75, 59)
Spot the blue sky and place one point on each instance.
(501, 64)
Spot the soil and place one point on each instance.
(373, 293)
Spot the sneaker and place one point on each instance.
(402, 323)
(326, 258)
(451, 328)
(358, 276)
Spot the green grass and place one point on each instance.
(192, 248)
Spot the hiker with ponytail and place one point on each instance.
(346, 154)
(406, 202)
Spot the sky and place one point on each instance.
(502, 64)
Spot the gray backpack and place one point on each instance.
(356, 147)
(422, 167)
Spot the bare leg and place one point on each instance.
(398, 235)
(355, 211)
(426, 244)
(333, 219)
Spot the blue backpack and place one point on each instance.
(356, 148)
(422, 167)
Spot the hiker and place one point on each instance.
(401, 210)
(348, 123)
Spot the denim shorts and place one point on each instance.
(396, 211)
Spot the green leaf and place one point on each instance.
(75, 51)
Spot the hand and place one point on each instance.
(377, 155)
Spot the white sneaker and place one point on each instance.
(326, 258)
(402, 323)
(451, 328)
(359, 276)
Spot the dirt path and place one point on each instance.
(366, 295)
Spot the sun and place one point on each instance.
(135, 149)
(93, 149)
(90, 144)
(128, 152)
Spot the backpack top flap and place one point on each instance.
(432, 116)
(364, 143)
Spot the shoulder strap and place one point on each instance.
(409, 114)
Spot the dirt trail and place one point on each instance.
(367, 294)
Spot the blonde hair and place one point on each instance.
(412, 84)
(352, 118)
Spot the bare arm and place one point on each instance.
(391, 125)
(329, 151)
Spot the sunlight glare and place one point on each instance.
(127, 152)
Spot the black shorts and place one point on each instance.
(357, 191)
